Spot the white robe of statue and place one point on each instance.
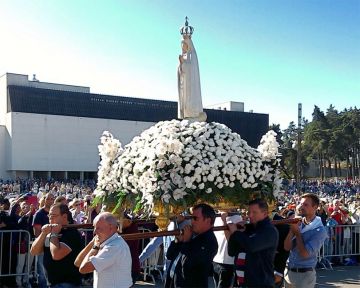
(190, 103)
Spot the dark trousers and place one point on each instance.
(224, 275)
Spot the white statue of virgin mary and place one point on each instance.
(190, 103)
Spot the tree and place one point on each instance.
(316, 138)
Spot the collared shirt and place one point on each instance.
(112, 264)
(313, 240)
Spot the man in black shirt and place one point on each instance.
(191, 254)
(259, 240)
(60, 246)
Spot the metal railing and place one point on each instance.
(342, 244)
(15, 258)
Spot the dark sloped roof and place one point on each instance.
(251, 126)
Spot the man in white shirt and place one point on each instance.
(107, 255)
(223, 264)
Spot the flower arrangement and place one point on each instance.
(179, 162)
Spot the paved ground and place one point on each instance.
(342, 276)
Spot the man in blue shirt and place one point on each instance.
(304, 242)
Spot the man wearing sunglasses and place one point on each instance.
(191, 253)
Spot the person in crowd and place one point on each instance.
(41, 216)
(77, 214)
(129, 228)
(255, 244)
(24, 223)
(338, 213)
(60, 199)
(322, 212)
(40, 219)
(90, 211)
(347, 239)
(223, 264)
(155, 243)
(191, 253)
(304, 242)
(281, 254)
(60, 246)
(107, 255)
(7, 256)
(355, 235)
(42, 202)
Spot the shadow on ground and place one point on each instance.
(342, 276)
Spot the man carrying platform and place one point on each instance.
(191, 254)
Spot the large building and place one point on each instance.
(53, 130)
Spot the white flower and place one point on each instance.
(210, 178)
(173, 157)
(166, 197)
(179, 194)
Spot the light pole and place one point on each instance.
(298, 160)
(358, 160)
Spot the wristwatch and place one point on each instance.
(95, 247)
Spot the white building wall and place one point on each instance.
(62, 143)
(23, 80)
(3, 99)
(228, 106)
(3, 173)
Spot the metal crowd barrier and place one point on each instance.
(341, 246)
(87, 234)
(15, 258)
(148, 266)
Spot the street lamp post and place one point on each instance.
(358, 160)
(298, 160)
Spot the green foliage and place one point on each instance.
(236, 195)
(330, 137)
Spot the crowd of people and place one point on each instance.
(258, 254)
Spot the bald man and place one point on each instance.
(107, 255)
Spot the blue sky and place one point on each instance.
(269, 54)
